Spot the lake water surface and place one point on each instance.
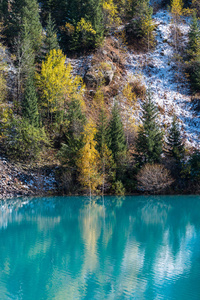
(111, 248)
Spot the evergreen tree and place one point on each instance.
(4, 11)
(106, 160)
(57, 8)
(13, 20)
(174, 145)
(25, 59)
(117, 142)
(50, 41)
(102, 131)
(149, 140)
(21, 12)
(72, 134)
(86, 19)
(30, 103)
(194, 166)
(97, 21)
(30, 14)
(194, 54)
(194, 38)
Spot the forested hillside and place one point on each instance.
(104, 95)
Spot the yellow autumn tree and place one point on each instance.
(85, 30)
(130, 100)
(57, 85)
(110, 13)
(88, 162)
(176, 11)
(147, 27)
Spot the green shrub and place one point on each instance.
(118, 188)
(22, 140)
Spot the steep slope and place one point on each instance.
(169, 86)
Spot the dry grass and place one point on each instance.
(138, 88)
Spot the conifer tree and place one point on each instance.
(30, 14)
(13, 20)
(194, 54)
(102, 131)
(29, 103)
(194, 38)
(21, 12)
(57, 8)
(25, 59)
(97, 21)
(106, 160)
(117, 142)
(149, 140)
(50, 41)
(72, 134)
(174, 144)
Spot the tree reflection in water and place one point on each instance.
(111, 248)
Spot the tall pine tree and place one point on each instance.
(102, 131)
(106, 160)
(72, 135)
(50, 41)
(30, 14)
(30, 103)
(21, 12)
(174, 144)
(194, 38)
(149, 139)
(117, 143)
(194, 54)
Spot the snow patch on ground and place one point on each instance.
(159, 72)
(79, 65)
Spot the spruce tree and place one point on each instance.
(13, 21)
(102, 131)
(58, 10)
(30, 14)
(149, 139)
(106, 159)
(91, 12)
(174, 145)
(50, 41)
(25, 59)
(24, 11)
(117, 143)
(30, 102)
(96, 18)
(194, 54)
(72, 135)
(194, 38)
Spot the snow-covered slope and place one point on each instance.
(158, 70)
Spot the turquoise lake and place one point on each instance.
(136, 247)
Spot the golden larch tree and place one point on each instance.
(57, 84)
(176, 11)
(88, 162)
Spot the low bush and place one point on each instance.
(154, 178)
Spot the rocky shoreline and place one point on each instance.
(16, 181)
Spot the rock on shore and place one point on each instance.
(15, 181)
